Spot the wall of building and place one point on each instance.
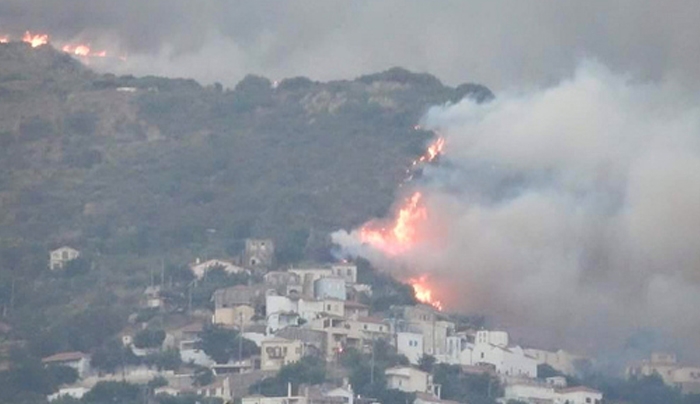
(410, 345)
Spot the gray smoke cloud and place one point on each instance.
(568, 214)
(499, 43)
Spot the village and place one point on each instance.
(318, 312)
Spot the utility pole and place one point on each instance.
(162, 272)
(12, 294)
(189, 303)
(240, 337)
(371, 372)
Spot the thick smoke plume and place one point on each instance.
(498, 43)
(570, 214)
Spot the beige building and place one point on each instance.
(686, 378)
(60, 256)
(308, 277)
(345, 271)
(560, 360)
(411, 380)
(236, 316)
(355, 309)
(278, 352)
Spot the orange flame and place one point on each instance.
(435, 149)
(402, 234)
(35, 39)
(423, 292)
(4, 39)
(82, 50)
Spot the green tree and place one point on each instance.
(114, 392)
(59, 374)
(149, 338)
(166, 360)
(223, 345)
(76, 267)
(203, 376)
(113, 355)
(466, 387)
(308, 370)
(426, 363)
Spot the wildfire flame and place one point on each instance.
(35, 39)
(402, 234)
(82, 50)
(423, 292)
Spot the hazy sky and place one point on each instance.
(501, 44)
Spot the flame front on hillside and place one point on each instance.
(423, 291)
(403, 232)
(35, 40)
(82, 50)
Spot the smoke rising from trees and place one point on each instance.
(568, 213)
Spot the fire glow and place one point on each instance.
(423, 291)
(400, 236)
(35, 40)
(83, 50)
(403, 232)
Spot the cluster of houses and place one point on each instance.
(319, 311)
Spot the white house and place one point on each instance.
(580, 395)
(76, 360)
(411, 380)
(201, 268)
(491, 348)
(306, 308)
(330, 287)
(530, 393)
(544, 392)
(346, 271)
(280, 320)
(410, 344)
(60, 256)
(277, 352)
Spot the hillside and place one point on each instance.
(146, 166)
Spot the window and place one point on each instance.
(482, 355)
(349, 272)
(588, 399)
(328, 307)
(365, 326)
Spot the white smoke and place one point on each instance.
(570, 214)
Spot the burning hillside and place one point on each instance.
(400, 234)
(84, 51)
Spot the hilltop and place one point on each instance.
(151, 166)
